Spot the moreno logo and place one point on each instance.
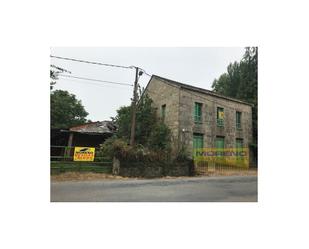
(84, 150)
(230, 156)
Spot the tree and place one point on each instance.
(65, 110)
(53, 78)
(160, 137)
(240, 82)
(54, 74)
(150, 131)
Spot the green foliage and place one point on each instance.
(160, 137)
(53, 78)
(139, 161)
(151, 154)
(123, 122)
(113, 146)
(116, 147)
(146, 120)
(150, 131)
(106, 149)
(240, 82)
(57, 168)
(54, 74)
(65, 110)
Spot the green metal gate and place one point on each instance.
(61, 160)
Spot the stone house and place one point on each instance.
(199, 118)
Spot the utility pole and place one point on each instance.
(134, 100)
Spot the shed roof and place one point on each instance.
(95, 128)
(197, 89)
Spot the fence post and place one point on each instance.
(70, 142)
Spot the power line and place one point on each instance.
(61, 70)
(98, 63)
(103, 81)
(94, 84)
(91, 62)
(145, 72)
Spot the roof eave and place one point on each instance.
(199, 90)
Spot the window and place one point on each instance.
(239, 146)
(219, 146)
(163, 109)
(238, 120)
(198, 141)
(220, 142)
(198, 112)
(220, 116)
(239, 143)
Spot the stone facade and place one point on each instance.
(164, 94)
(179, 100)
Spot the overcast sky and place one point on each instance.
(194, 66)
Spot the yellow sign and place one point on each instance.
(221, 115)
(84, 154)
(228, 156)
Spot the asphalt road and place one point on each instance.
(196, 189)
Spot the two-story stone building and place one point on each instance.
(199, 118)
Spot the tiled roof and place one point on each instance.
(99, 127)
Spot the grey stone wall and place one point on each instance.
(209, 127)
(156, 169)
(164, 94)
(180, 110)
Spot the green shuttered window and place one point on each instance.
(219, 145)
(238, 120)
(163, 111)
(220, 142)
(198, 141)
(239, 146)
(239, 143)
(220, 117)
(197, 112)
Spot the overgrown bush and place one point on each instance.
(119, 148)
(139, 161)
(160, 138)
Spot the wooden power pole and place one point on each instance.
(133, 121)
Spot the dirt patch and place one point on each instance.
(88, 176)
(80, 176)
